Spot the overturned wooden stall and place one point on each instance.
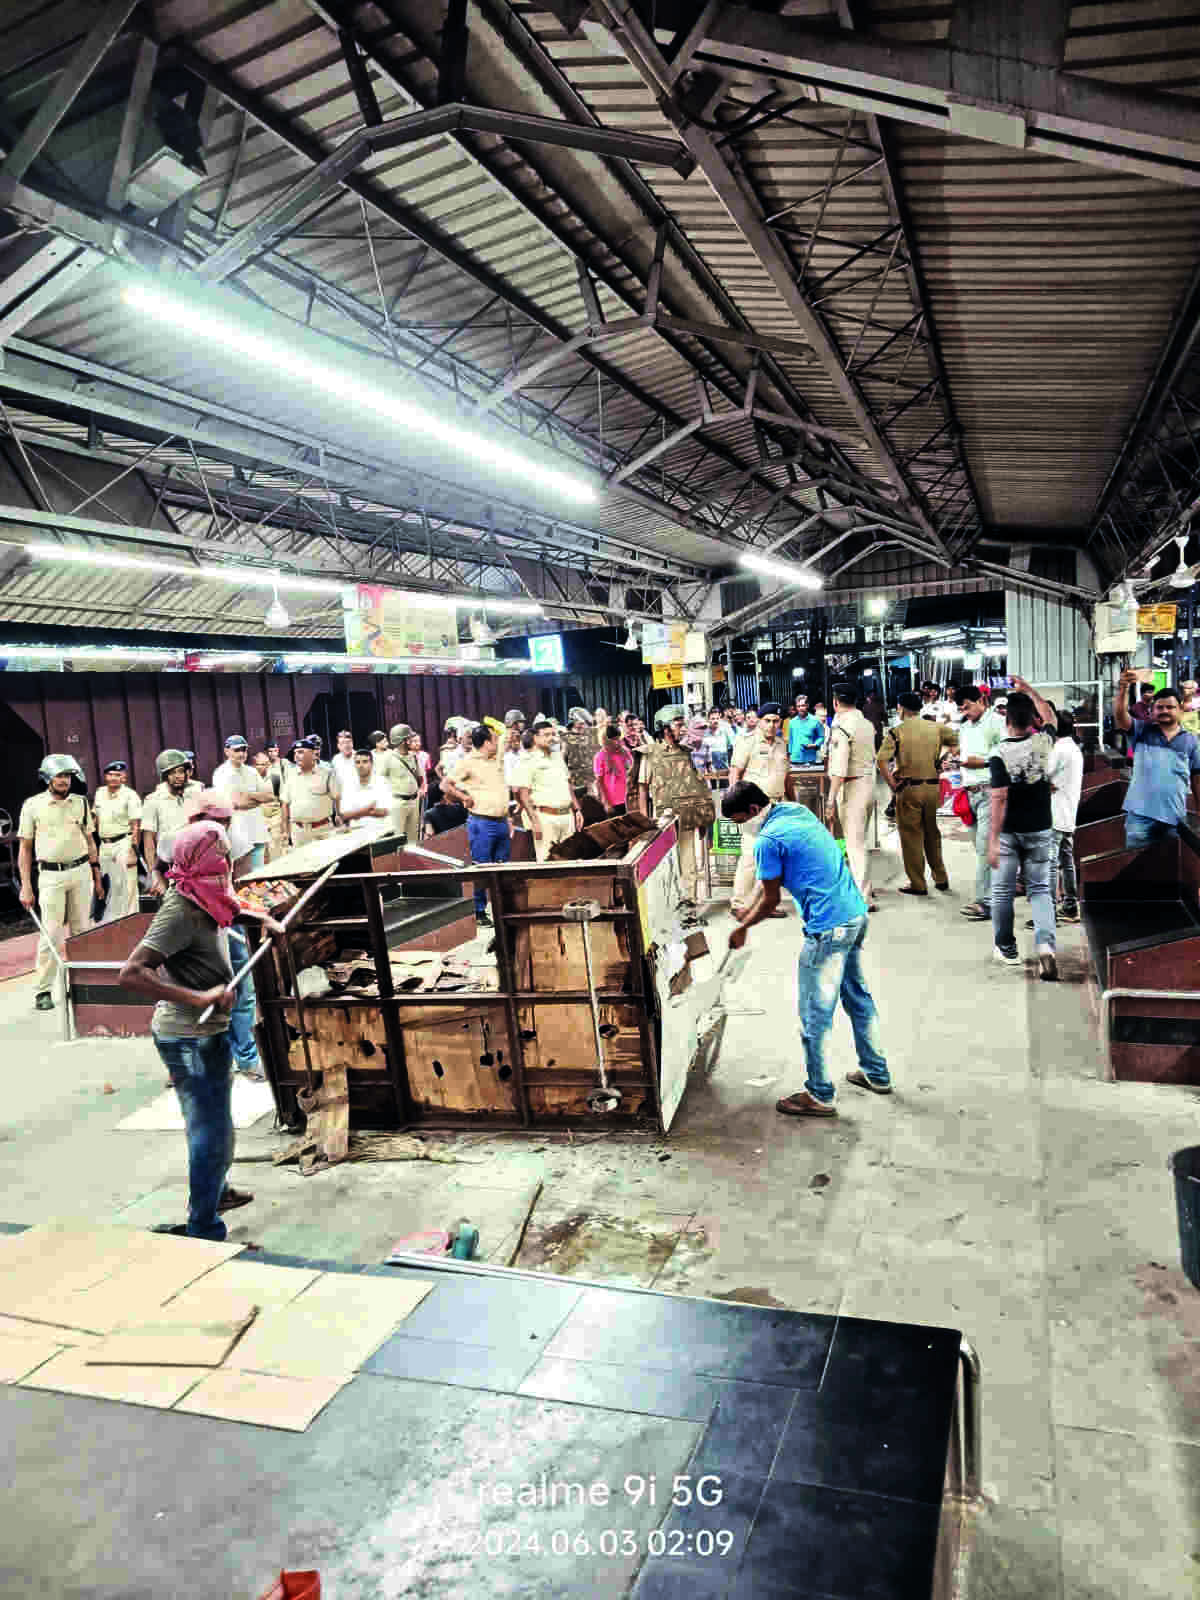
(386, 997)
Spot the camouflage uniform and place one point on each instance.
(674, 785)
(579, 752)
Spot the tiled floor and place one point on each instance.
(739, 1449)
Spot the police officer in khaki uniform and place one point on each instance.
(118, 812)
(916, 746)
(402, 772)
(309, 798)
(166, 810)
(272, 811)
(55, 828)
(760, 757)
(852, 783)
(544, 792)
(670, 782)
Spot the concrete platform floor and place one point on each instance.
(1004, 1188)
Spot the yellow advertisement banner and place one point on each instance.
(667, 677)
(384, 622)
(1156, 619)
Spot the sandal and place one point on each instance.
(803, 1104)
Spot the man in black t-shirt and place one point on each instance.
(1021, 833)
(442, 817)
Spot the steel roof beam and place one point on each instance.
(394, 133)
(89, 54)
(732, 189)
(115, 396)
(998, 98)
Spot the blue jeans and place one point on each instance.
(1034, 854)
(1140, 830)
(201, 1073)
(241, 1018)
(981, 805)
(830, 966)
(490, 840)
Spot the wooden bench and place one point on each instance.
(1141, 913)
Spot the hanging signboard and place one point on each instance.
(667, 677)
(1156, 619)
(385, 622)
(663, 643)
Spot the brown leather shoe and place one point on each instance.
(231, 1199)
(804, 1105)
(859, 1078)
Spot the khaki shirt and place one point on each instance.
(191, 787)
(56, 827)
(765, 764)
(851, 746)
(546, 778)
(484, 781)
(164, 814)
(401, 772)
(309, 796)
(917, 745)
(114, 812)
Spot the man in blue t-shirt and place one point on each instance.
(805, 735)
(793, 851)
(1166, 762)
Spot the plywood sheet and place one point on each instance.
(560, 1037)
(200, 1336)
(153, 1267)
(265, 1401)
(352, 1037)
(333, 1327)
(69, 1373)
(20, 1357)
(535, 891)
(464, 1063)
(549, 955)
(264, 1285)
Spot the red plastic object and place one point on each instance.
(295, 1586)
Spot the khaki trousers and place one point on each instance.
(405, 816)
(920, 841)
(277, 845)
(65, 906)
(855, 803)
(122, 879)
(689, 865)
(554, 831)
(303, 832)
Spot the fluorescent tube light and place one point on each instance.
(948, 654)
(211, 329)
(800, 577)
(67, 652)
(106, 558)
(260, 578)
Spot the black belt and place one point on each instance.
(904, 781)
(111, 838)
(60, 866)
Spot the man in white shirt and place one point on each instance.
(718, 742)
(238, 783)
(1065, 772)
(365, 798)
(979, 733)
(343, 761)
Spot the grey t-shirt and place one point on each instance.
(195, 952)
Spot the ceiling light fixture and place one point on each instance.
(795, 577)
(277, 616)
(200, 322)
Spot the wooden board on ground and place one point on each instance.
(326, 1138)
(19, 1357)
(201, 1335)
(265, 1401)
(69, 1373)
(266, 1286)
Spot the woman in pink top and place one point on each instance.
(611, 767)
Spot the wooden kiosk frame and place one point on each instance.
(520, 1055)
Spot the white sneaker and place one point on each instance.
(1006, 960)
